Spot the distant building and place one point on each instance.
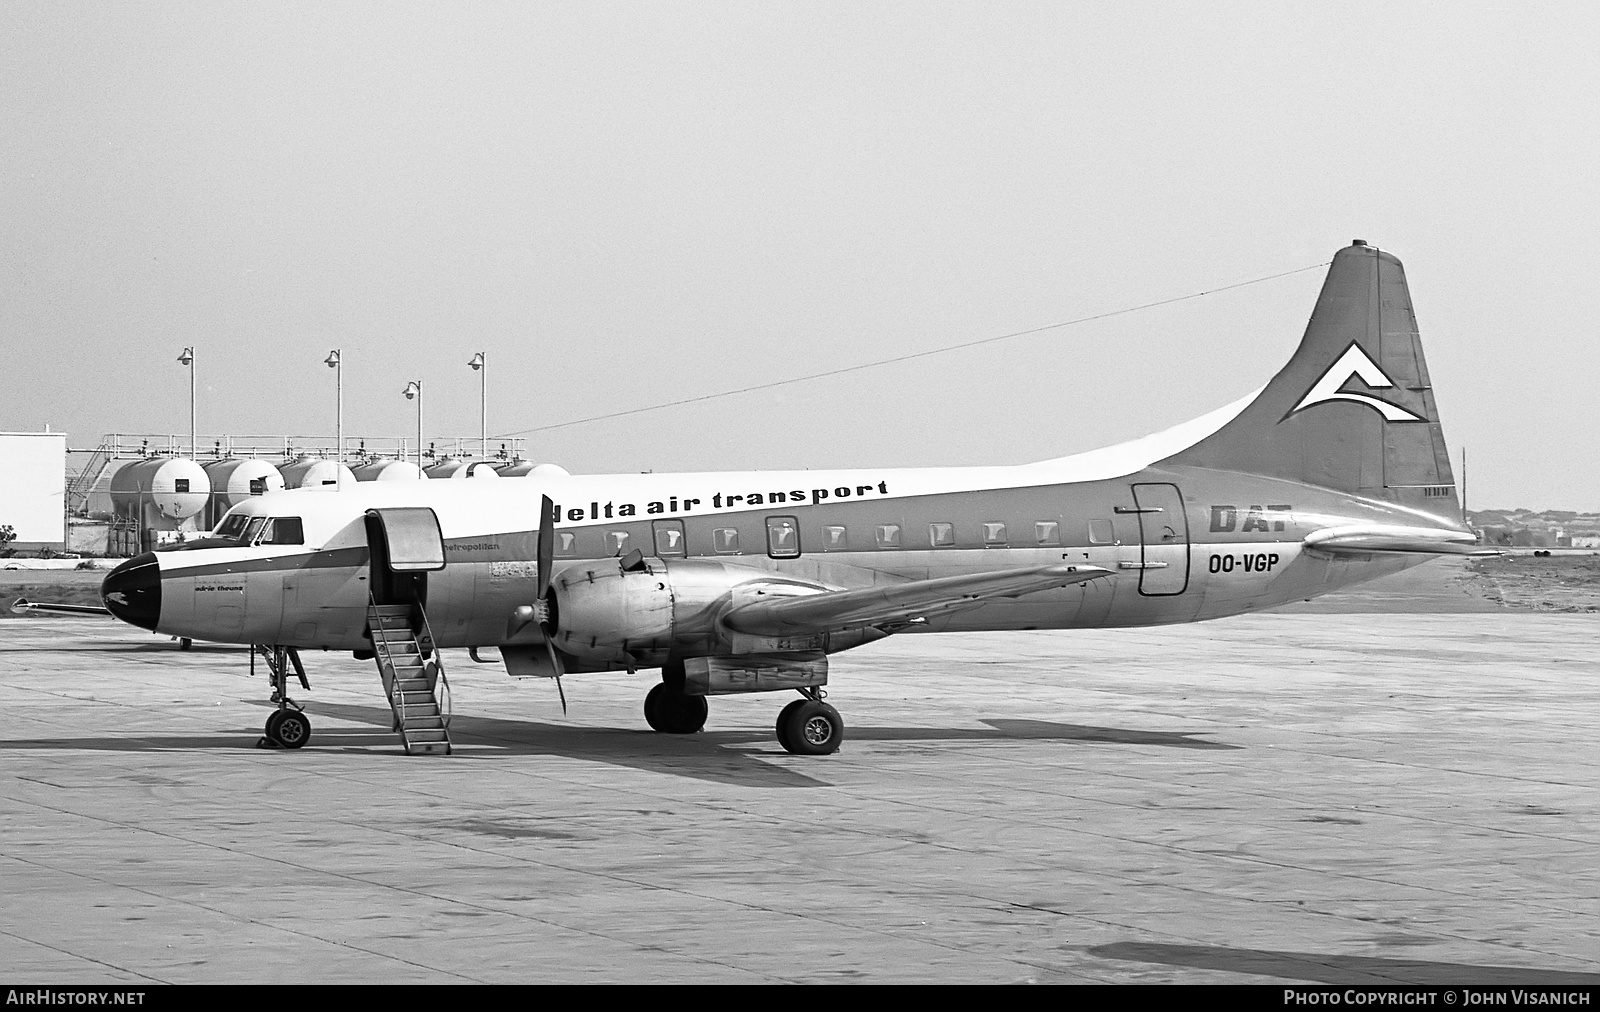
(33, 489)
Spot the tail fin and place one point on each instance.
(1353, 410)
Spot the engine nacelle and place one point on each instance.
(607, 616)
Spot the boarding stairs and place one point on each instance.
(413, 677)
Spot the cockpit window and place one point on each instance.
(252, 529)
(231, 527)
(284, 531)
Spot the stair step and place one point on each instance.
(410, 677)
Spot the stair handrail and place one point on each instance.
(83, 482)
(441, 692)
(397, 696)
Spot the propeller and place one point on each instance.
(546, 558)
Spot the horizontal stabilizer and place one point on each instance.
(838, 610)
(1368, 538)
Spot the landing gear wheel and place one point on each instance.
(652, 708)
(811, 728)
(784, 716)
(291, 729)
(674, 712)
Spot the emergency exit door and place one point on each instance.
(1163, 539)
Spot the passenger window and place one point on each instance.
(566, 544)
(783, 537)
(942, 535)
(888, 535)
(994, 536)
(669, 539)
(1100, 533)
(725, 540)
(616, 542)
(284, 531)
(1047, 532)
(835, 539)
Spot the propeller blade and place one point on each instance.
(555, 662)
(547, 543)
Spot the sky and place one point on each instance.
(624, 205)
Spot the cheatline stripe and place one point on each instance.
(904, 358)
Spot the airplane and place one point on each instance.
(1333, 473)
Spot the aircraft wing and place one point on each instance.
(899, 603)
(1368, 538)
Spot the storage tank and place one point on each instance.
(387, 469)
(314, 472)
(235, 480)
(454, 467)
(528, 469)
(173, 489)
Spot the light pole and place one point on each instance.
(333, 363)
(414, 390)
(480, 366)
(187, 358)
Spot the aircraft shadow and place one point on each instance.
(748, 758)
(1329, 969)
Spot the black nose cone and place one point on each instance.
(132, 591)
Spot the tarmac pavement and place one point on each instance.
(1308, 797)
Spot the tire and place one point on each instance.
(675, 712)
(652, 707)
(271, 730)
(292, 730)
(783, 723)
(813, 728)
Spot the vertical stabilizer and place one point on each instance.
(1353, 410)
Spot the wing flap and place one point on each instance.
(1366, 539)
(838, 610)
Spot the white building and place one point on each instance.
(33, 488)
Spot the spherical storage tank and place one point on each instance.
(177, 487)
(234, 481)
(457, 468)
(314, 472)
(388, 469)
(528, 469)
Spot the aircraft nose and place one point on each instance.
(132, 591)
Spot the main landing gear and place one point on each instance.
(670, 710)
(809, 726)
(288, 726)
(805, 727)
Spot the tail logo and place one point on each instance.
(1352, 364)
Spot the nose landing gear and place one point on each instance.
(287, 726)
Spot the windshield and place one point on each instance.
(231, 527)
